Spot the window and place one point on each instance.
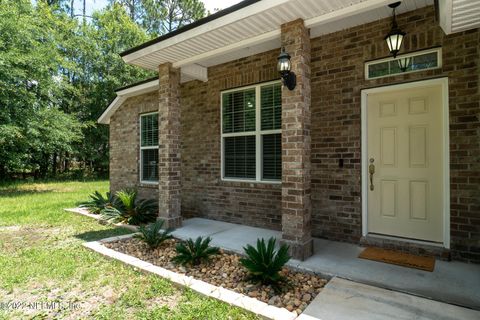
(149, 148)
(417, 61)
(251, 133)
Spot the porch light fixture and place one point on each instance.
(404, 63)
(284, 67)
(395, 37)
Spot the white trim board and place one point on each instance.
(123, 95)
(445, 140)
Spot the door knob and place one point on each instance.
(371, 170)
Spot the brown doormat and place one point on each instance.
(398, 258)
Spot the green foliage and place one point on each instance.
(159, 17)
(56, 77)
(58, 73)
(153, 235)
(31, 88)
(264, 263)
(129, 209)
(194, 252)
(98, 202)
(164, 16)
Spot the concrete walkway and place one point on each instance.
(451, 282)
(346, 300)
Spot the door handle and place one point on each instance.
(371, 171)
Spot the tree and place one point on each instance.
(31, 89)
(56, 77)
(164, 16)
(58, 74)
(110, 32)
(134, 8)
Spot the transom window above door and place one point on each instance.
(251, 133)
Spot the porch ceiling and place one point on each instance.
(255, 28)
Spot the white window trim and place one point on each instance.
(258, 133)
(407, 55)
(144, 148)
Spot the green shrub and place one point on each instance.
(194, 252)
(153, 235)
(128, 209)
(264, 263)
(99, 202)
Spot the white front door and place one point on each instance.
(405, 163)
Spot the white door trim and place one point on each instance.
(445, 140)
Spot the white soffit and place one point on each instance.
(459, 15)
(256, 28)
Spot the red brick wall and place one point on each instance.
(203, 192)
(337, 79)
(125, 145)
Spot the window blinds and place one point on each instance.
(149, 128)
(240, 157)
(241, 136)
(239, 111)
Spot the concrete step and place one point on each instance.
(347, 300)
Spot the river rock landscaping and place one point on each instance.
(224, 270)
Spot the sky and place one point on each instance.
(93, 5)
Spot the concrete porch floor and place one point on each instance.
(452, 282)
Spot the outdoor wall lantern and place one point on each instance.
(284, 67)
(404, 63)
(395, 37)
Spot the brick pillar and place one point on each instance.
(296, 144)
(169, 187)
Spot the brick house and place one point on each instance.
(363, 149)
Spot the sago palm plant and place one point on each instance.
(98, 202)
(264, 263)
(194, 252)
(153, 235)
(129, 209)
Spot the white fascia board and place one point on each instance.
(112, 107)
(195, 71)
(139, 89)
(123, 95)
(445, 15)
(241, 14)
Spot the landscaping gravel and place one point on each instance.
(225, 270)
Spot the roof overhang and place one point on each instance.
(253, 27)
(459, 15)
(125, 93)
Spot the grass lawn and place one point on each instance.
(42, 260)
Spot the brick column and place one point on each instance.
(296, 144)
(169, 187)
